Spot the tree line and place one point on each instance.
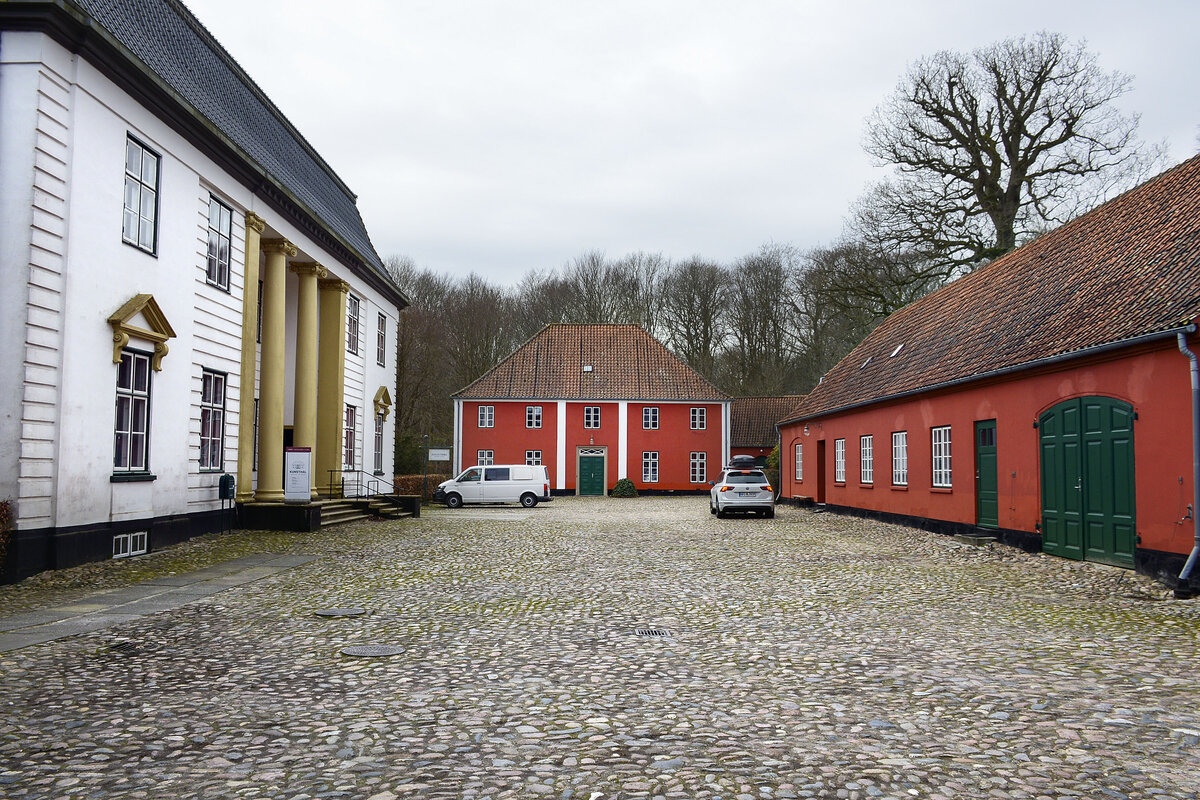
(987, 150)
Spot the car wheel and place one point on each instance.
(528, 500)
(453, 500)
(769, 513)
(720, 513)
(711, 508)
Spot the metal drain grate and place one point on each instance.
(653, 632)
(124, 647)
(373, 650)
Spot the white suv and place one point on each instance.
(741, 490)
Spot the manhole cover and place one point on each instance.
(373, 650)
(651, 632)
(340, 612)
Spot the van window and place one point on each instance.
(495, 474)
(470, 475)
(522, 473)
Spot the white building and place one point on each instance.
(175, 257)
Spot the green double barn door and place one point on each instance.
(591, 475)
(1088, 481)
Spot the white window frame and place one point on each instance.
(350, 437)
(943, 476)
(212, 420)
(799, 462)
(699, 419)
(533, 458)
(220, 237)
(866, 452)
(131, 544)
(649, 466)
(487, 416)
(900, 458)
(839, 460)
(141, 196)
(485, 458)
(378, 444)
(381, 340)
(353, 320)
(131, 430)
(533, 416)
(591, 417)
(650, 418)
(699, 467)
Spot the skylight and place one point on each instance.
(868, 361)
(899, 347)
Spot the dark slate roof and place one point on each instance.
(752, 419)
(1127, 270)
(627, 364)
(203, 78)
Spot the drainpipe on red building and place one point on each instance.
(1195, 370)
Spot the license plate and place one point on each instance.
(747, 494)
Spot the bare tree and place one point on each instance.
(993, 146)
(638, 278)
(694, 302)
(760, 353)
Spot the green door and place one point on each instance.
(591, 475)
(987, 496)
(1088, 480)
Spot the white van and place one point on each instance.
(498, 483)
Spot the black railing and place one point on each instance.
(356, 483)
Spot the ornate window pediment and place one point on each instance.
(139, 308)
(383, 402)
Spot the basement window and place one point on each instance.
(130, 544)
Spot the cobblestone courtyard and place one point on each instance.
(808, 656)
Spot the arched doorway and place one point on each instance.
(1088, 512)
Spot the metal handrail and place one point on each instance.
(372, 486)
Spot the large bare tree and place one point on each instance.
(997, 145)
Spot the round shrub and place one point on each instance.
(624, 488)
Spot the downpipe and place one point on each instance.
(1195, 370)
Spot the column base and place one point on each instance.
(268, 496)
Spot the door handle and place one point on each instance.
(1078, 484)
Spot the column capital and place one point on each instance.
(334, 285)
(308, 268)
(279, 246)
(255, 221)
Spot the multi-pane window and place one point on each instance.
(866, 450)
(533, 416)
(212, 420)
(839, 461)
(485, 458)
(533, 457)
(591, 416)
(487, 416)
(799, 462)
(378, 443)
(353, 305)
(140, 221)
(132, 429)
(130, 544)
(699, 419)
(650, 466)
(220, 225)
(381, 340)
(650, 418)
(699, 472)
(941, 456)
(900, 458)
(351, 436)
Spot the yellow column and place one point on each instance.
(270, 400)
(245, 462)
(304, 410)
(331, 380)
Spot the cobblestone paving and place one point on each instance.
(808, 656)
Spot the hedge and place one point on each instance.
(414, 484)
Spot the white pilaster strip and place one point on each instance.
(560, 470)
(725, 420)
(458, 406)
(623, 439)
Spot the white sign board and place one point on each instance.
(297, 485)
(439, 454)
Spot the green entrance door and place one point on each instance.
(1088, 480)
(987, 496)
(591, 475)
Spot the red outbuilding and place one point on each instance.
(753, 420)
(594, 404)
(1046, 399)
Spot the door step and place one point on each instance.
(975, 540)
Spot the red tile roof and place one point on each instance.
(627, 363)
(1126, 269)
(752, 419)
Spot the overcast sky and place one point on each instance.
(500, 136)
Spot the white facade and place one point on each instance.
(65, 269)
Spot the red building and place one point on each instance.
(1043, 399)
(596, 403)
(753, 419)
